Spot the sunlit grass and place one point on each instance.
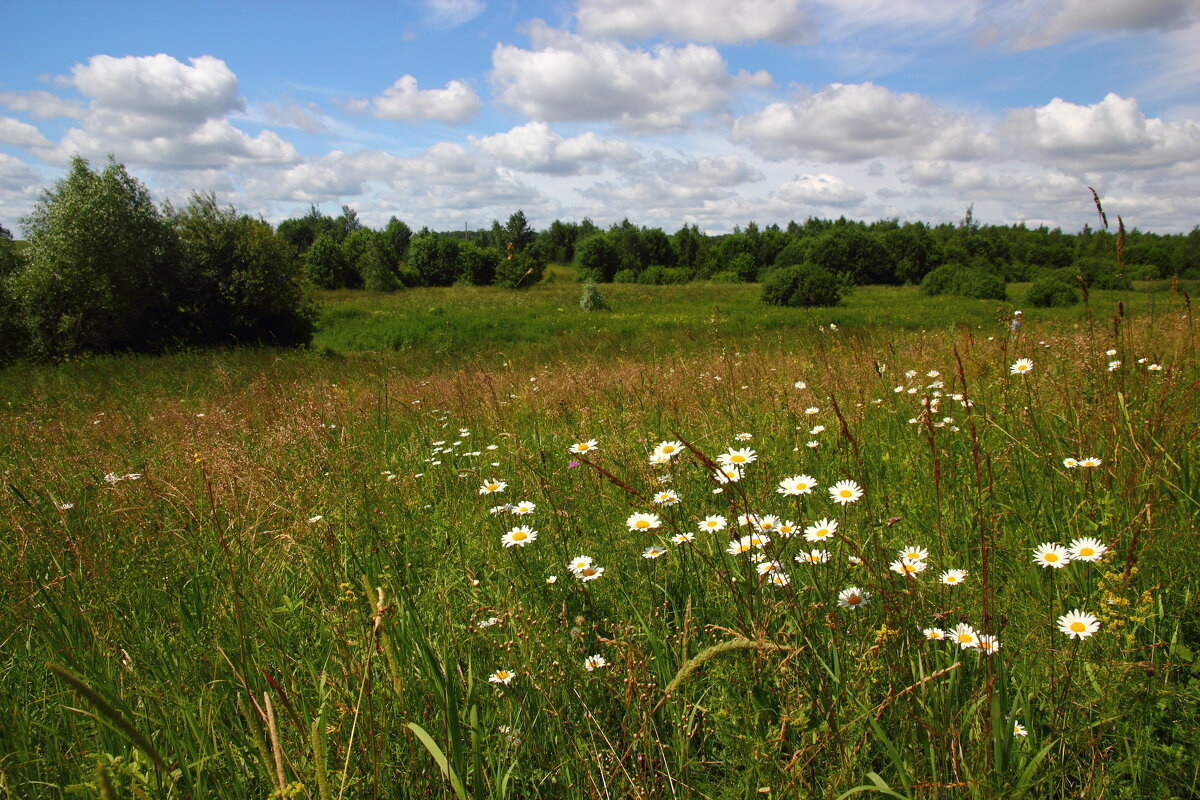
(293, 597)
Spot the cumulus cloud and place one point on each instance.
(452, 13)
(1047, 23)
(722, 21)
(567, 77)
(534, 147)
(820, 190)
(41, 104)
(159, 86)
(15, 174)
(404, 102)
(21, 134)
(854, 122)
(1110, 134)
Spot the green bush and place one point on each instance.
(519, 271)
(591, 300)
(1049, 291)
(435, 258)
(625, 276)
(325, 263)
(597, 259)
(726, 276)
(958, 279)
(800, 286)
(477, 265)
(663, 276)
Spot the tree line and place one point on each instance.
(103, 269)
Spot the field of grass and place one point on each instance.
(259, 573)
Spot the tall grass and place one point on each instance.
(305, 594)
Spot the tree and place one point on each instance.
(477, 265)
(397, 235)
(12, 330)
(240, 281)
(598, 260)
(434, 257)
(801, 286)
(848, 248)
(101, 271)
(325, 263)
(518, 233)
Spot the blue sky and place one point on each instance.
(450, 113)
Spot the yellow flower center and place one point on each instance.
(502, 674)
(1078, 627)
(587, 572)
(853, 599)
(964, 637)
(493, 487)
(951, 579)
(518, 535)
(1086, 551)
(845, 493)
(668, 449)
(641, 523)
(1051, 556)
(737, 459)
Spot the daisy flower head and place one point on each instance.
(522, 508)
(812, 410)
(503, 676)
(668, 449)
(1090, 461)
(934, 634)
(667, 497)
(738, 458)
(797, 485)
(953, 577)
(1051, 554)
(1019, 729)
(658, 459)
(763, 567)
(713, 522)
(787, 529)
(780, 579)
(817, 429)
(1087, 549)
(1113, 366)
(643, 522)
(744, 437)
(988, 644)
(739, 546)
(683, 538)
(491, 486)
(504, 509)
(519, 536)
(908, 567)
(768, 523)
(1110, 352)
(727, 474)
(1021, 366)
(813, 557)
(759, 540)
(589, 573)
(1078, 624)
(853, 597)
(844, 492)
(800, 385)
(1155, 368)
(915, 553)
(854, 561)
(594, 662)
(653, 551)
(964, 635)
(1070, 463)
(579, 563)
(580, 448)
(820, 530)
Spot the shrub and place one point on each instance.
(663, 276)
(625, 276)
(598, 259)
(519, 271)
(477, 265)
(591, 300)
(435, 258)
(1049, 291)
(325, 263)
(958, 279)
(800, 286)
(726, 276)
(1100, 273)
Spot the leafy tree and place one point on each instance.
(598, 259)
(9, 258)
(1051, 290)
(517, 232)
(656, 246)
(239, 280)
(848, 248)
(519, 271)
(347, 223)
(100, 272)
(688, 243)
(434, 257)
(800, 286)
(302, 232)
(477, 265)
(397, 235)
(325, 263)
(12, 331)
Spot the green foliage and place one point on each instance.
(100, 270)
(801, 286)
(10, 259)
(625, 276)
(325, 264)
(591, 299)
(239, 281)
(744, 266)
(848, 248)
(1101, 273)
(958, 279)
(521, 271)
(397, 235)
(663, 276)
(477, 265)
(434, 257)
(597, 259)
(726, 276)
(1050, 291)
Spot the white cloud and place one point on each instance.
(820, 190)
(159, 86)
(534, 147)
(21, 134)
(404, 102)
(1111, 134)
(566, 77)
(15, 174)
(726, 21)
(853, 122)
(1046, 23)
(41, 104)
(707, 172)
(452, 13)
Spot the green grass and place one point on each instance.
(211, 637)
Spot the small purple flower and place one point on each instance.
(572, 464)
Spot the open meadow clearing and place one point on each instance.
(482, 543)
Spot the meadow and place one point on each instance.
(482, 543)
